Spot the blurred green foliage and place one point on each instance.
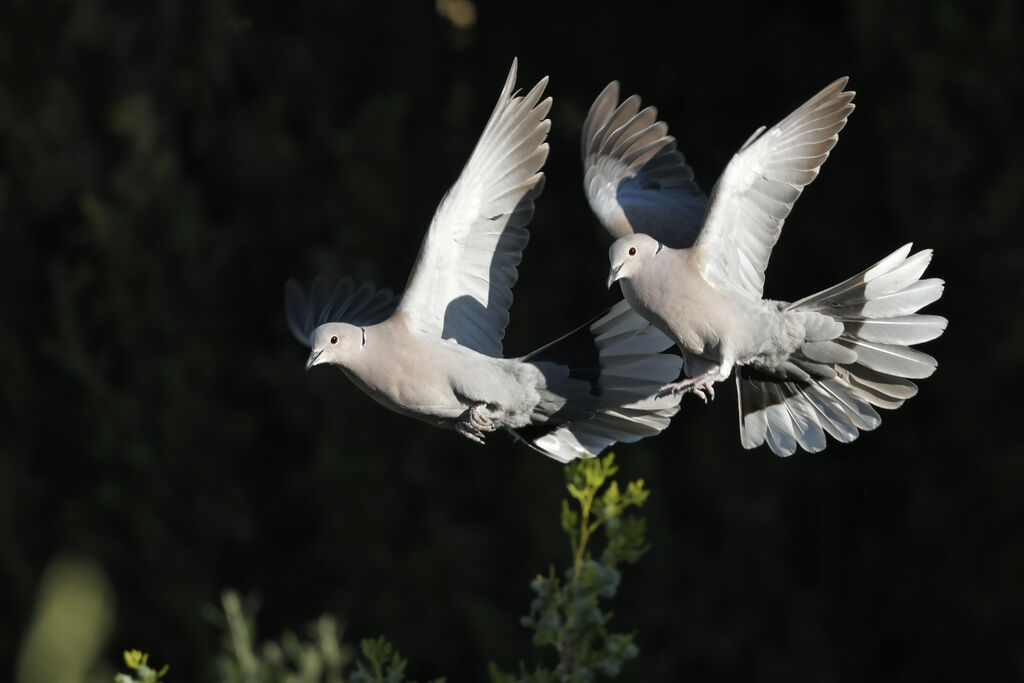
(166, 166)
(321, 658)
(138, 662)
(381, 663)
(568, 616)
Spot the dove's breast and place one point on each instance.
(673, 295)
(435, 380)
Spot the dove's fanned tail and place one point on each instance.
(611, 370)
(869, 365)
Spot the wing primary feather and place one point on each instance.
(454, 290)
(752, 199)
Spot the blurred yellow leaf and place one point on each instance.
(461, 13)
(73, 617)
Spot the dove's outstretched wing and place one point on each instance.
(634, 177)
(361, 306)
(755, 193)
(461, 285)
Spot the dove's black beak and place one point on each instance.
(613, 275)
(311, 361)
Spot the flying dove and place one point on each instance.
(436, 354)
(695, 269)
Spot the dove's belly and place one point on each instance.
(422, 398)
(437, 382)
(697, 318)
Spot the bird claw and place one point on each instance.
(478, 420)
(706, 391)
(475, 423)
(701, 386)
(469, 432)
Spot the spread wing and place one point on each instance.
(634, 177)
(346, 303)
(755, 194)
(461, 285)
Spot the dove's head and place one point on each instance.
(335, 343)
(628, 253)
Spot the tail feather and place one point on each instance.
(809, 433)
(902, 329)
(875, 396)
(900, 277)
(813, 369)
(893, 387)
(854, 406)
(830, 416)
(868, 364)
(619, 354)
(789, 414)
(753, 412)
(781, 434)
(892, 359)
(904, 302)
(841, 292)
(829, 352)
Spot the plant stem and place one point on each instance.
(566, 650)
(584, 537)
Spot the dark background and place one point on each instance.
(165, 166)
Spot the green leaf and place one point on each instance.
(570, 521)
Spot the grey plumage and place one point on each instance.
(635, 179)
(436, 354)
(868, 365)
(817, 366)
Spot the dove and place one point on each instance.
(695, 269)
(435, 353)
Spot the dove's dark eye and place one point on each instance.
(632, 251)
(334, 339)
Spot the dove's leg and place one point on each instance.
(702, 385)
(474, 423)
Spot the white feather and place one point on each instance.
(756, 191)
(461, 285)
